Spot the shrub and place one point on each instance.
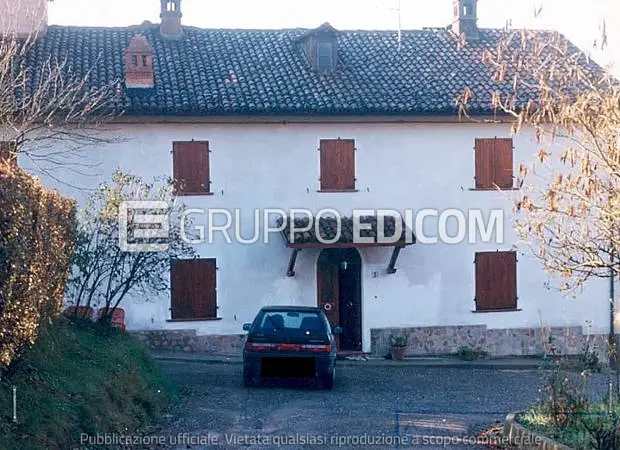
(398, 341)
(37, 236)
(469, 353)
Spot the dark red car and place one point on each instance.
(290, 341)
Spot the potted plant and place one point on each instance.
(398, 344)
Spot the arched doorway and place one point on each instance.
(339, 293)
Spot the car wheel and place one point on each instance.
(328, 379)
(248, 379)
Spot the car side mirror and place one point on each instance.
(337, 330)
(247, 326)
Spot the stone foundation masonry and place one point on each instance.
(436, 341)
(422, 341)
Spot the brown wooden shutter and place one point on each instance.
(484, 163)
(191, 169)
(494, 163)
(179, 293)
(496, 281)
(503, 163)
(205, 303)
(193, 289)
(337, 164)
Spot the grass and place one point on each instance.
(600, 425)
(80, 378)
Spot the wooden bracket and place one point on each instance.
(291, 263)
(391, 268)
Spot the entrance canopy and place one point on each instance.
(346, 232)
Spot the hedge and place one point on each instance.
(37, 238)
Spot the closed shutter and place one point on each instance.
(191, 169)
(494, 163)
(503, 163)
(193, 289)
(496, 281)
(337, 164)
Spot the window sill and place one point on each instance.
(495, 189)
(337, 190)
(484, 311)
(193, 194)
(204, 319)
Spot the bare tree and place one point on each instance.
(569, 210)
(105, 273)
(48, 112)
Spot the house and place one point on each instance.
(327, 119)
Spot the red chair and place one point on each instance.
(117, 319)
(83, 312)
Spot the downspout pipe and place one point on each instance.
(612, 312)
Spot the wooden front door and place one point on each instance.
(339, 294)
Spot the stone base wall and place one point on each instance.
(435, 341)
(188, 341)
(421, 341)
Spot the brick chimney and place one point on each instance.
(466, 18)
(139, 64)
(171, 15)
(23, 18)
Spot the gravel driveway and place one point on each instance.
(414, 406)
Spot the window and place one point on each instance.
(494, 165)
(337, 165)
(325, 55)
(193, 289)
(496, 281)
(134, 60)
(191, 170)
(145, 60)
(291, 321)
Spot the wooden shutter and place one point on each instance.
(337, 164)
(503, 151)
(191, 169)
(193, 289)
(496, 281)
(494, 163)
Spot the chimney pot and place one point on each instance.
(466, 19)
(171, 27)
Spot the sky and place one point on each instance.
(579, 20)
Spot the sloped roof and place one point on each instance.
(264, 72)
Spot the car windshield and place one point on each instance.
(291, 322)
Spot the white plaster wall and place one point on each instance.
(399, 166)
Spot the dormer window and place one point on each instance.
(325, 55)
(319, 46)
(139, 64)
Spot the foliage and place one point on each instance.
(37, 236)
(565, 413)
(564, 397)
(104, 273)
(588, 359)
(398, 341)
(471, 353)
(80, 378)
